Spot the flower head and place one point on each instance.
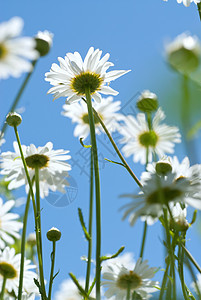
(10, 268)
(107, 110)
(74, 76)
(51, 164)
(183, 53)
(119, 278)
(137, 137)
(9, 226)
(44, 42)
(15, 51)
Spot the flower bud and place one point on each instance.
(13, 119)
(43, 42)
(163, 167)
(54, 234)
(184, 53)
(147, 102)
(31, 240)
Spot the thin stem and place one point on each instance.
(181, 270)
(3, 288)
(188, 254)
(23, 242)
(26, 170)
(185, 117)
(38, 232)
(90, 227)
(116, 149)
(143, 239)
(194, 278)
(128, 292)
(165, 277)
(18, 96)
(52, 269)
(98, 199)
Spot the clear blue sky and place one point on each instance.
(134, 33)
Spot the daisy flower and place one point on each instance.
(9, 227)
(158, 192)
(15, 51)
(107, 110)
(69, 291)
(73, 76)
(183, 53)
(137, 137)
(119, 278)
(179, 215)
(52, 166)
(187, 2)
(10, 268)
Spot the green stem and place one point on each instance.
(194, 278)
(116, 149)
(90, 227)
(199, 9)
(143, 239)
(181, 270)
(23, 243)
(3, 288)
(128, 292)
(38, 232)
(164, 280)
(188, 254)
(52, 269)
(18, 96)
(98, 199)
(171, 252)
(26, 170)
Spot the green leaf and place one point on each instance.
(81, 290)
(194, 130)
(115, 162)
(83, 145)
(81, 218)
(114, 255)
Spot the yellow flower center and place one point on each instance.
(3, 51)
(163, 196)
(37, 161)
(148, 139)
(131, 280)
(86, 80)
(7, 270)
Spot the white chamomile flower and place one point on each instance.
(119, 278)
(2, 140)
(15, 51)
(187, 2)
(52, 166)
(107, 110)
(69, 291)
(10, 268)
(74, 76)
(9, 226)
(179, 214)
(137, 137)
(158, 192)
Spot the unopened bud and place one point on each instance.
(54, 234)
(162, 168)
(147, 102)
(43, 42)
(13, 119)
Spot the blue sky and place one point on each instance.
(134, 33)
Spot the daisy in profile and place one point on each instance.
(73, 76)
(9, 226)
(137, 137)
(118, 279)
(69, 291)
(52, 166)
(158, 192)
(187, 2)
(10, 269)
(15, 51)
(107, 110)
